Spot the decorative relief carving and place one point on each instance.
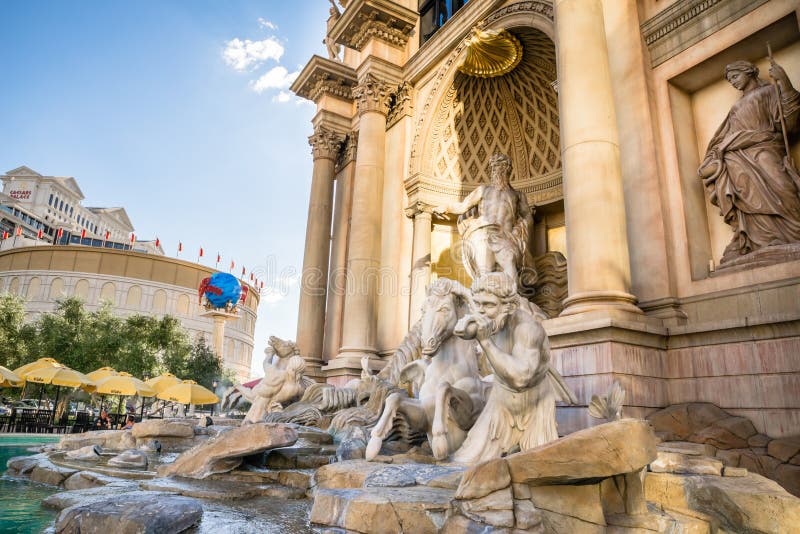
(401, 104)
(325, 143)
(686, 22)
(541, 7)
(348, 152)
(371, 94)
(375, 19)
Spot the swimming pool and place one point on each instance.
(20, 500)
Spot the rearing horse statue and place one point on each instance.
(447, 384)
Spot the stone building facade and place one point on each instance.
(606, 117)
(132, 282)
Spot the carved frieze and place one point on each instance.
(372, 94)
(401, 105)
(322, 77)
(325, 143)
(384, 20)
(686, 22)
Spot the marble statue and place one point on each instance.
(279, 351)
(746, 171)
(278, 387)
(520, 409)
(449, 393)
(334, 49)
(494, 222)
(608, 406)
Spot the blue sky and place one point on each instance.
(179, 111)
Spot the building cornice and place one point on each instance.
(687, 22)
(384, 20)
(322, 77)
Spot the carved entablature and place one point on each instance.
(348, 152)
(322, 77)
(384, 20)
(325, 143)
(687, 22)
(401, 105)
(372, 94)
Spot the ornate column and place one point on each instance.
(597, 241)
(364, 245)
(325, 145)
(420, 258)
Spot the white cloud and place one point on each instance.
(264, 23)
(241, 54)
(276, 78)
(271, 297)
(281, 97)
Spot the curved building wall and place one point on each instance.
(133, 283)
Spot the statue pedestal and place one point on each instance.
(219, 317)
(760, 258)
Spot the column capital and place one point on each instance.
(325, 143)
(419, 209)
(372, 94)
(401, 105)
(348, 152)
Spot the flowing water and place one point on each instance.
(20, 511)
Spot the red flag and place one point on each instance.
(83, 233)
(180, 246)
(107, 234)
(158, 242)
(232, 265)
(218, 257)
(243, 270)
(39, 235)
(19, 230)
(201, 252)
(252, 277)
(5, 235)
(133, 238)
(60, 232)
(262, 284)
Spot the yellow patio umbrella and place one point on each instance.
(41, 363)
(101, 373)
(189, 392)
(163, 381)
(124, 385)
(9, 379)
(59, 376)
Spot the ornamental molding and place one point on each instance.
(401, 104)
(348, 152)
(325, 143)
(686, 22)
(372, 94)
(419, 208)
(384, 20)
(322, 77)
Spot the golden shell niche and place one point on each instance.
(490, 53)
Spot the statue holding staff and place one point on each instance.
(747, 171)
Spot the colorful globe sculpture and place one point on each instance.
(221, 290)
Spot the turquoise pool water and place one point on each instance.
(20, 511)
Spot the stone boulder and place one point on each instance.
(136, 512)
(784, 448)
(23, 465)
(90, 453)
(115, 440)
(741, 504)
(353, 445)
(154, 428)
(615, 448)
(673, 462)
(130, 458)
(88, 479)
(46, 472)
(225, 451)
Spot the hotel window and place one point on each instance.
(61, 206)
(434, 13)
(50, 202)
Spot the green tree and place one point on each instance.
(203, 366)
(14, 335)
